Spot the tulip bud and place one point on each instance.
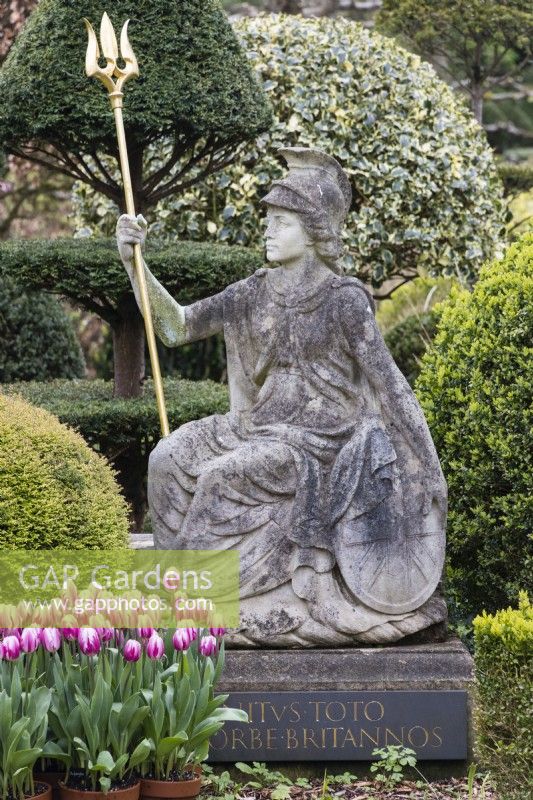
(208, 645)
(30, 639)
(182, 638)
(132, 650)
(155, 647)
(12, 648)
(51, 639)
(89, 641)
(217, 631)
(145, 633)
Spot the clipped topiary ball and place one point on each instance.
(426, 189)
(55, 492)
(475, 389)
(37, 340)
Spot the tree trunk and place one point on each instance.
(128, 349)
(132, 467)
(129, 371)
(129, 366)
(477, 102)
(285, 6)
(128, 333)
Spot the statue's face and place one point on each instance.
(286, 240)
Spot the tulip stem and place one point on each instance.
(92, 681)
(26, 682)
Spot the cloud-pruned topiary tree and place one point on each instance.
(426, 191)
(475, 389)
(196, 93)
(90, 273)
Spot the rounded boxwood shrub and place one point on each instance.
(55, 492)
(504, 688)
(475, 388)
(37, 340)
(426, 189)
(125, 430)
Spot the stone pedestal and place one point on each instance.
(337, 705)
(142, 541)
(311, 707)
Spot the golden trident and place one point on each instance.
(131, 70)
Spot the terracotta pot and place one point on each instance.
(44, 795)
(52, 778)
(153, 790)
(130, 793)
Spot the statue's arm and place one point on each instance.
(173, 323)
(396, 397)
(168, 316)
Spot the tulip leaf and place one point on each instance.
(24, 758)
(140, 754)
(170, 743)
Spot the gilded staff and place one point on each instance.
(108, 40)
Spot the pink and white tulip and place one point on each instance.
(30, 639)
(12, 648)
(89, 641)
(132, 650)
(119, 637)
(51, 639)
(70, 634)
(208, 645)
(155, 647)
(105, 634)
(217, 631)
(182, 638)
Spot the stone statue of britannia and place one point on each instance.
(323, 474)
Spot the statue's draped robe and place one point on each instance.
(302, 475)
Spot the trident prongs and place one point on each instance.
(110, 50)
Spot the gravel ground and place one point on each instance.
(450, 789)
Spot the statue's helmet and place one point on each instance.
(316, 185)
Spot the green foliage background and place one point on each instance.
(56, 491)
(475, 389)
(37, 340)
(426, 191)
(409, 340)
(504, 688)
